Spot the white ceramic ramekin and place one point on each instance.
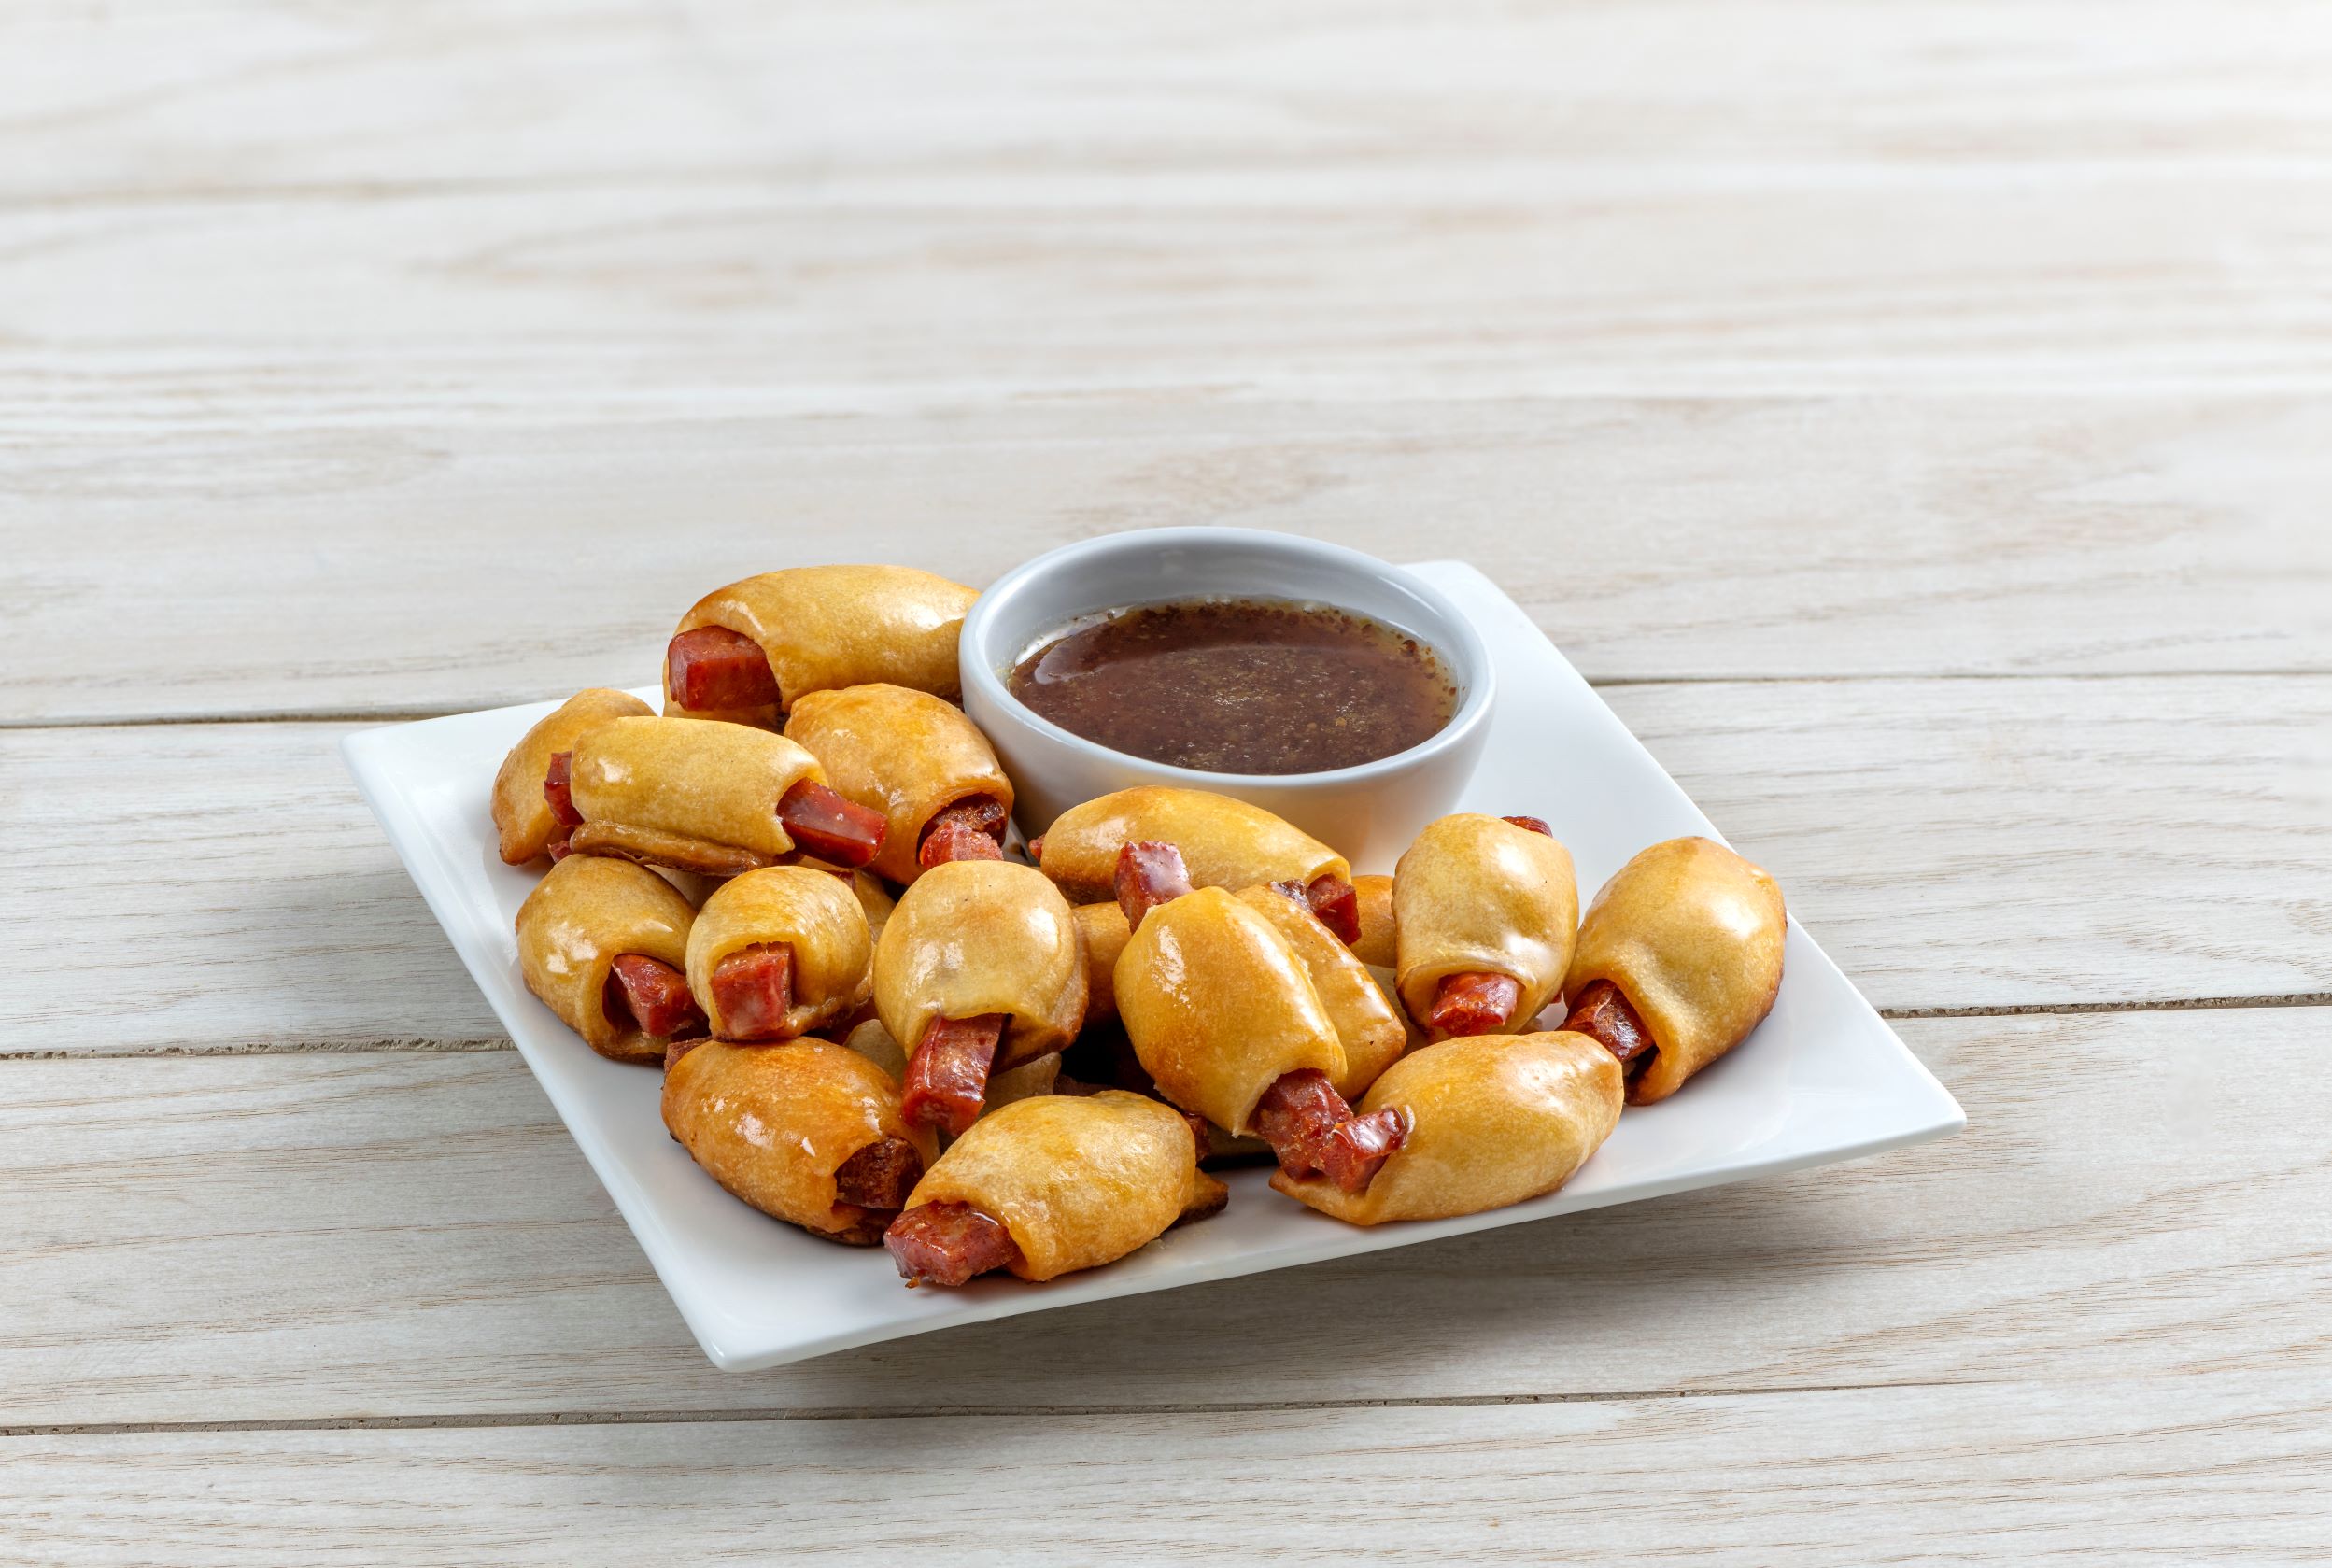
(1369, 813)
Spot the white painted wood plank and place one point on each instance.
(2178, 1471)
(362, 542)
(1953, 843)
(377, 1236)
(274, 95)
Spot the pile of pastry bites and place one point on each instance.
(792, 891)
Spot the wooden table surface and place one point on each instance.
(1913, 418)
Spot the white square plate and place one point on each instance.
(1824, 1079)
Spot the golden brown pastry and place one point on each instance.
(750, 651)
(981, 969)
(1223, 842)
(1494, 1119)
(778, 953)
(718, 798)
(1373, 1036)
(917, 760)
(807, 1131)
(1105, 932)
(1485, 913)
(1678, 959)
(1049, 1185)
(1373, 893)
(522, 817)
(604, 944)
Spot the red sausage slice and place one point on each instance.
(947, 1244)
(880, 1176)
(558, 791)
(1603, 1015)
(1312, 1130)
(753, 990)
(969, 830)
(655, 996)
(947, 1076)
(712, 667)
(1338, 906)
(1536, 824)
(1149, 874)
(828, 826)
(1474, 1004)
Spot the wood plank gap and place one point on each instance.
(495, 1419)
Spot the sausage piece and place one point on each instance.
(880, 1176)
(1604, 1015)
(1474, 1004)
(1536, 824)
(654, 993)
(828, 826)
(713, 667)
(1149, 874)
(754, 988)
(948, 1244)
(969, 830)
(947, 1076)
(1337, 905)
(1314, 1132)
(558, 791)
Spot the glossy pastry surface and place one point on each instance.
(1224, 842)
(578, 920)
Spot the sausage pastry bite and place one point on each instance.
(1485, 909)
(916, 761)
(604, 943)
(778, 953)
(1223, 1015)
(522, 816)
(1223, 844)
(1679, 958)
(1494, 1119)
(750, 651)
(1372, 1035)
(718, 798)
(979, 968)
(1045, 1186)
(809, 1132)
(871, 1041)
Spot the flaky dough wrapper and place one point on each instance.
(1079, 1180)
(904, 753)
(816, 914)
(1224, 842)
(1475, 893)
(823, 628)
(582, 917)
(689, 793)
(1692, 936)
(772, 1124)
(522, 818)
(1497, 1119)
(977, 937)
(1372, 1034)
(1218, 1005)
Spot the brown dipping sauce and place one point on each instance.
(1242, 685)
